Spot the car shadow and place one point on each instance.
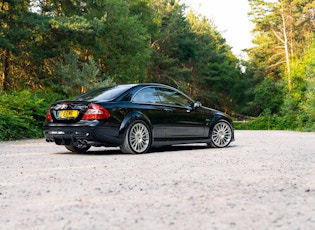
(174, 148)
(116, 151)
(95, 152)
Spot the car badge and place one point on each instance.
(61, 106)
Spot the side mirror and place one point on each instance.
(197, 105)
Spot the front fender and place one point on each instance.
(218, 117)
(130, 117)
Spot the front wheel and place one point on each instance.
(221, 134)
(137, 139)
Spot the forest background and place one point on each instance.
(55, 49)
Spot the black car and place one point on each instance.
(135, 117)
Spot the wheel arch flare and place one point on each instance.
(130, 117)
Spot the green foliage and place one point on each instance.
(282, 64)
(72, 77)
(69, 46)
(297, 122)
(23, 113)
(308, 100)
(269, 95)
(309, 105)
(173, 47)
(121, 45)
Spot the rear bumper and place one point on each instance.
(75, 135)
(63, 137)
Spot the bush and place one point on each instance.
(295, 122)
(23, 113)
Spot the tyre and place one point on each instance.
(221, 135)
(78, 149)
(138, 138)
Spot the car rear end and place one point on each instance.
(75, 123)
(89, 119)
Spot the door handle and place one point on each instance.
(168, 110)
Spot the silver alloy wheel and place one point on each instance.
(139, 138)
(221, 134)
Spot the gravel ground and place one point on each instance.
(264, 180)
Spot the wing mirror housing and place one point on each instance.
(196, 105)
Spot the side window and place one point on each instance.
(146, 95)
(171, 97)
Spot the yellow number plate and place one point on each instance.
(68, 114)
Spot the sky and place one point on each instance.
(231, 19)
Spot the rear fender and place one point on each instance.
(130, 117)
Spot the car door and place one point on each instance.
(181, 120)
(149, 103)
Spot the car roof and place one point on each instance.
(149, 84)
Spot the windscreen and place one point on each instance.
(103, 93)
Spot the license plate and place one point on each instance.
(68, 114)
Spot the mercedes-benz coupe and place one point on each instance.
(135, 117)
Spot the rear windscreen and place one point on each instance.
(103, 93)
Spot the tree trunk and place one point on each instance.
(286, 50)
(4, 85)
(5, 72)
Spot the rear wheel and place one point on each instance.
(137, 139)
(78, 149)
(221, 134)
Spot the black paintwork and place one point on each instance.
(169, 124)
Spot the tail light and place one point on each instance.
(48, 115)
(96, 112)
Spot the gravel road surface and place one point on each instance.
(264, 180)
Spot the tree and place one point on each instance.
(301, 101)
(173, 46)
(15, 34)
(216, 71)
(121, 43)
(282, 29)
(284, 37)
